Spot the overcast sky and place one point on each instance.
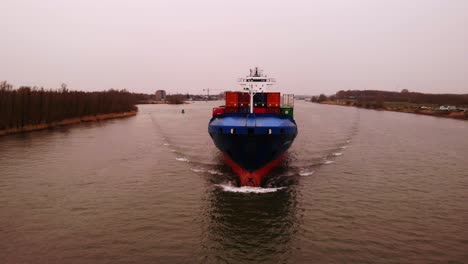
(310, 47)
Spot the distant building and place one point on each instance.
(160, 95)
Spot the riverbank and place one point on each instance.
(68, 121)
(151, 102)
(403, 108)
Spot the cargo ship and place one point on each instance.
(254, 128)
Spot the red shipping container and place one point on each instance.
(273, 99)
(273, 110)
(229, 110)
(260, 110)
(218, 111)
(244, 99)
(232, 99)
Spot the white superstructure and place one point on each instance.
(256, 82)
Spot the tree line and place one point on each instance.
(403, 96)
(32, 106)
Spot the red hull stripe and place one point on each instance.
(252, 178)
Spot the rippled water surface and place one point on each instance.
(358, 186)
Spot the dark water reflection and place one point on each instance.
(250, 228)
(358, 186)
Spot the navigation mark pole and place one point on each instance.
(207, 94)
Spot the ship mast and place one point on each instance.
(254, 83)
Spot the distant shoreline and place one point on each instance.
(66, 122)
(427, 112)
(151, 102)
(160, 102)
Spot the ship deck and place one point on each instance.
(252, 124)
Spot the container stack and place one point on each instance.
(244, 99)
(287, 100)
(237, 102)
(232, 102)
(287, 105)
(244, 103)
(219, 111)
(260, 102)
(272, 103)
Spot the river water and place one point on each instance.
(357, 186)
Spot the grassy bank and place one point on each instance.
(403, 107)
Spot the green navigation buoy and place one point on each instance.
(183, 111)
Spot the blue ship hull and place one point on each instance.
(252, 143)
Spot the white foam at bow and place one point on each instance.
(247, 189)
(214, 172)
(306, 173)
